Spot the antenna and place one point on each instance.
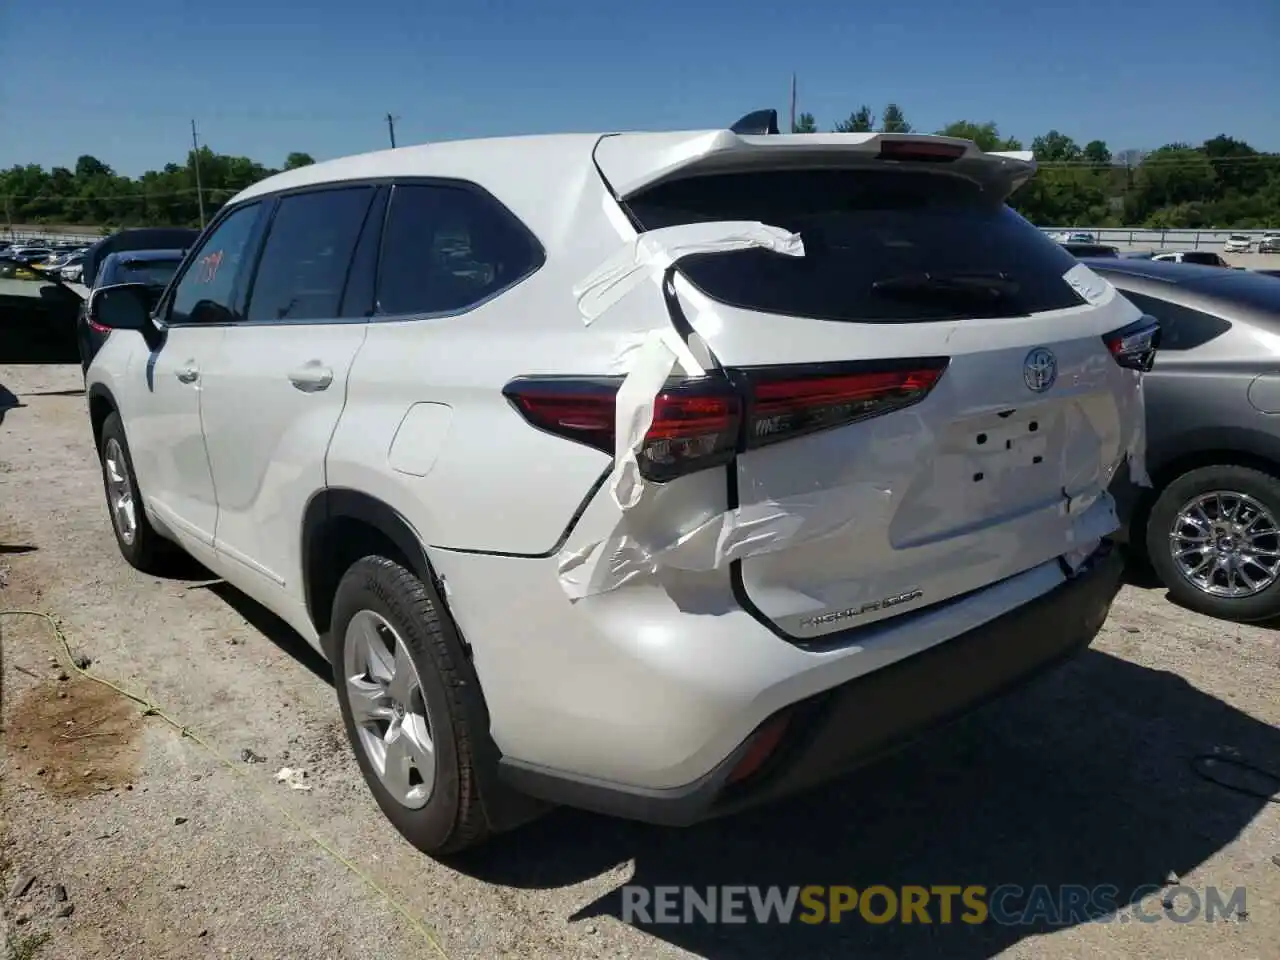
(757, 123)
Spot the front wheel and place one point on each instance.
(140, 545)
(1213, 538)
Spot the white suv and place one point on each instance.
(652, 473)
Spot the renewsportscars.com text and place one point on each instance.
(1006, 905)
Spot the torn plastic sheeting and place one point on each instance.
(654, 356)
(651, 362)
(649, 254)
(1137, 450)
(1094, 289)
(746, 531)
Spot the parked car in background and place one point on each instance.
(152, 268)
(1204, 258)
(369, 400)
(30, 254)
(1238, 243)
(72, 269)
(1210, 525)
(1090, 249)
(1269, 243)
(1081, 237)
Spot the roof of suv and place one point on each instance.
(503, 164)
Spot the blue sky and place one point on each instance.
(263, 77)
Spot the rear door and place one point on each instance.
(932, 406)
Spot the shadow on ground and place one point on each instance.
(271, 627)
(1083, 778)
(8, 401)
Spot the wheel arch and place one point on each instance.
(1191, 450)
(340, 526)
(102, 403)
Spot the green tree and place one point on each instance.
(1175, 176)
(861, 120)
(295, 160)
(893, 120)
(1055, 147)
(985, 135)
(1096, 152)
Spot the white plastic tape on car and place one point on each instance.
(649, 363)
(646, 257)
(1138, 440)
(649, 360)
(1094, 289)
(747, 531)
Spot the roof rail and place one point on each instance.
(757, 123)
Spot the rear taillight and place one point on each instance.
(1134, 347)
(784, 402)
(704, 422)
(921, 151)
(695, 422)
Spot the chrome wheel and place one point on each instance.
(1226, 544)
(120, 492)
(385, 695)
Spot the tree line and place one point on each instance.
(1223, 183)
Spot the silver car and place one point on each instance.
(1210, 525)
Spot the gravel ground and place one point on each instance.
(140, 842)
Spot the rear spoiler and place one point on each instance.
(633, 162)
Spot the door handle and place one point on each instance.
(311, 376)
(188, 374)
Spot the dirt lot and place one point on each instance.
(166, 845)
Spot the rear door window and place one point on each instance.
(881, 246)
(307, 255)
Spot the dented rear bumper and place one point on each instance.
(845, 727)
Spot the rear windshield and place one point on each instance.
(863, 228)
(153, 272)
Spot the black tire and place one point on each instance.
(1262, 487)
(148, 551)
(452, 818)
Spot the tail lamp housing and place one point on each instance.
(1134, 346)
(705, 422)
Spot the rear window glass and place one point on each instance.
(868, 234)
(157, 273)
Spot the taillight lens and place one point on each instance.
(695, 422)
(785, 403)
(703, 422)
(1134, 347)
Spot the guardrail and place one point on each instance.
(1141, 238)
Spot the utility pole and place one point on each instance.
(391, 129)
(195, 161)
(793, 104)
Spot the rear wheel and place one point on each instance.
(1213, 538)
(411, 706)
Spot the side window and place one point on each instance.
(445, 249)
(1181, 328)
(306, 256)
(203, 295)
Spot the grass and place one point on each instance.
(29, 946)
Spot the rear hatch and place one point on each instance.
(933, 377)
